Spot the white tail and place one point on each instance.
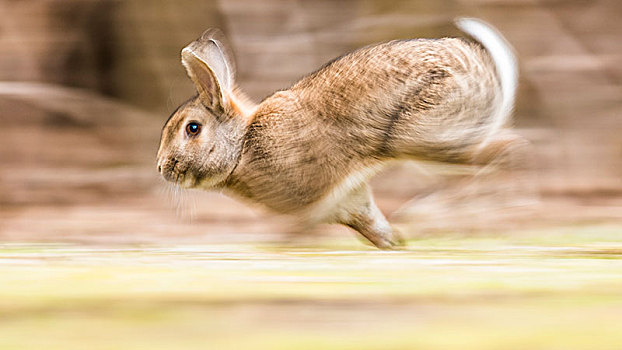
(505, 62)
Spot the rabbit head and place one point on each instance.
(202, 140)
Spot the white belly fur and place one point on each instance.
(326, 210)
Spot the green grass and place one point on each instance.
(544, 289)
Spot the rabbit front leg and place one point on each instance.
(359, 212)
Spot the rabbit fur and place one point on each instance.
(309, 150)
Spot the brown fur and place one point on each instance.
(309, 150)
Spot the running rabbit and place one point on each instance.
(309, 150)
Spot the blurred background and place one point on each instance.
(86, 85)
(98, 252)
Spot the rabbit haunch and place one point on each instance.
(309, 150)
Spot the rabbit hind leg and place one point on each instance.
(504, 172)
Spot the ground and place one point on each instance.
(535, 289)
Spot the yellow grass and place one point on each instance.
(549, 289)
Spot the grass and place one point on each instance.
(549, 289)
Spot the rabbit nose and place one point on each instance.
(159, 168)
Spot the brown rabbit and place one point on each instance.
(310, 150)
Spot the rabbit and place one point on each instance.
(310, 150)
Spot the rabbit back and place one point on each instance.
(417, 98)
(423, 99)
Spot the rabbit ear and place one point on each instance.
(209, 65)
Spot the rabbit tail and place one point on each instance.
(505, 63)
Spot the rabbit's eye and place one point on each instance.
(193, 128)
